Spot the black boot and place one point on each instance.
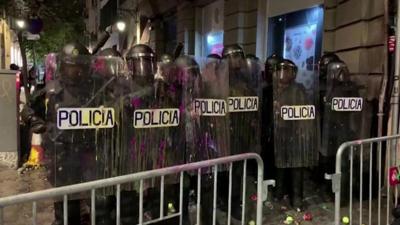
(237, 177)
(297, 184)
(279, 190)
(58, 213)
(129, 207)
(207, 195)
(345, 183)
(73, 212)
(104, 210)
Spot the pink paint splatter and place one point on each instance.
(136, 102)
(99, 65)
(133, 148)
(161, 154)
(182, 108)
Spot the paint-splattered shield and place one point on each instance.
(296, 129)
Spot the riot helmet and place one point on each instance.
(338, 72)
(141, 62)
(235, 56)
(213, 58)
(108, 62)
(252, 56)
(188, 72)
(109, 52)
(286, 72)
(74, 63)
(324, 62)
(270, 65)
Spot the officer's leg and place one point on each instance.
(327, 165)
(104, 209)
(73, 212)
(129, 207)
(237, 177)
(345, 181)
(207, 197)
(251, 191)
(297, 187)
(279, 190)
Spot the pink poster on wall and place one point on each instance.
(299, 46)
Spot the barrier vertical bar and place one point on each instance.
(361, 182)
(118, 204)
(370, 185)
(34, 210)
(230, 195)
(244, 192)
(215, 195)
(198, 195)
(93, 206)
(351, 183)
(65, 209)
(388, 182)
(181, 199)
(162, 198)
(141, 202)
(260, 175)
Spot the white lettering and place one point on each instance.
(243, 104)
(210, 107)
(298, 112)
(85, 118)
(151, 118)
(347, 104)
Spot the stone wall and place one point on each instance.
(354, 29)
(240, 24)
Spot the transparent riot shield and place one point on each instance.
(296, 133)
(296, 129)
(243, 104)
(75, 112)
(343, 108)
(244, 124)
(151, 134)
(342, 121)
(107, 72)
(207, 123)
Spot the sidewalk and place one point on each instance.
(13, 183)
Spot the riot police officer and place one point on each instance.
(267, 116)
(146, 146)
(65, 150)
(108, 69)
(244, 122)
(343, 106)
(295, 132)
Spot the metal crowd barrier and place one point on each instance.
(117, 181)
(376, 205)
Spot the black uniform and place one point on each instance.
(295, 130)
(342, 119)
(108, 68)
(267, 117)
(69, 145)
(150, 131)
(244, 118)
